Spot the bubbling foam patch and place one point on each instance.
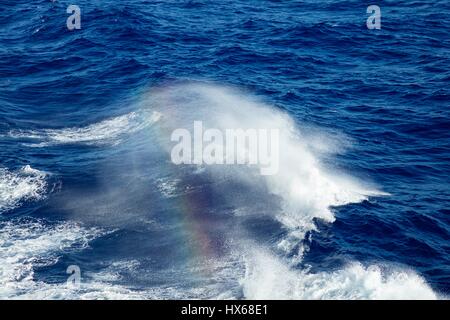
(21, 185)
(29, 244)
(26, 244)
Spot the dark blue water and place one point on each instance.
(85, 171)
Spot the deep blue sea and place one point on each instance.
(358, 210)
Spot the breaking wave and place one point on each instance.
(306, 190)
(270, 278)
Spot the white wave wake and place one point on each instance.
(21, 185)
(26, 245)
(109, 131)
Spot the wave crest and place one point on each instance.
(109, 131)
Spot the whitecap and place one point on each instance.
(21, 185)
(27, 244)
(268, 277)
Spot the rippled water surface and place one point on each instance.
(358, 210)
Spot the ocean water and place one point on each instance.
(358, 210)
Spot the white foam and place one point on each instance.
(270, 278)
(109, 131)
(25, 245)
(167, 187)
(24, 184)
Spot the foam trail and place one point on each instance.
(24, 184)
(28, 244)
(109, 131)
